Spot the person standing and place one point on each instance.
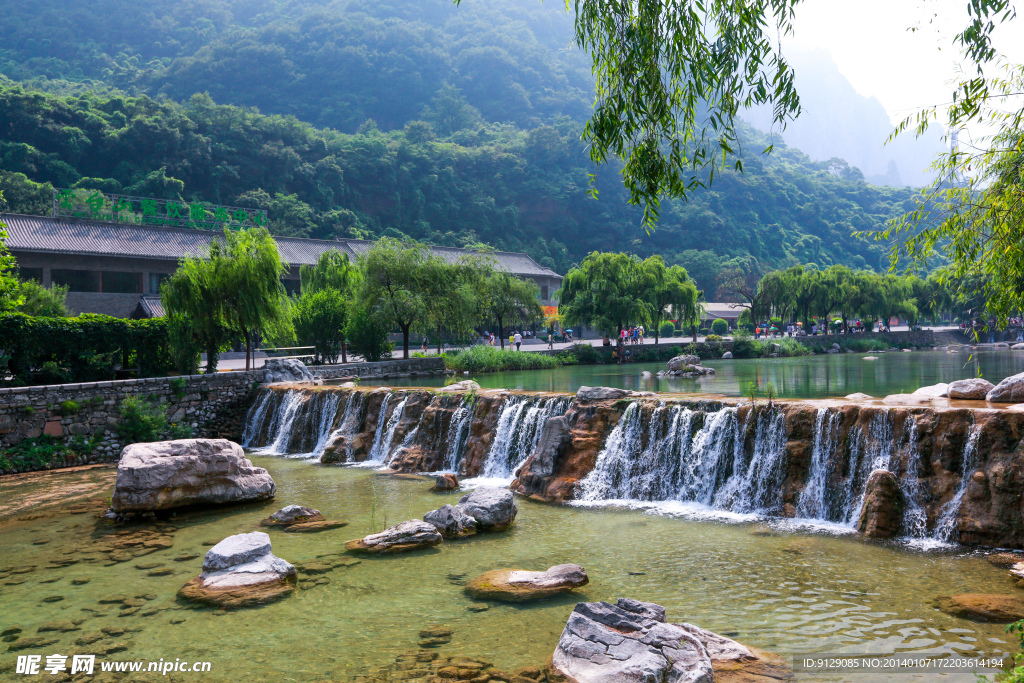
(518, 339)
(551, 340)
(424, 345)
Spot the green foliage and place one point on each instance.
(40, 301)
(719, 327)
(713, 337)
(84, 348)
(69, 407)
(179, 386)
(607, 291)
(44, 452)
(320, 319)
(141, 420)
(484, 358)
(668, 329)
(367, 333)
(510, 300)
(180, 431)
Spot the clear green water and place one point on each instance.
(820, 376)
(789, 593)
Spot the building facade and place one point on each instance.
(116, 269)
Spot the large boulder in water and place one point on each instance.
(517, 585)
(882, 512)
(171, 474)
(974, 389)
(286, 370)
(1010, 390)
(628, 642)
(410, 535)
(451, 522)
(678, 363)
(241, 571)
(494, 509)
(1000, 609)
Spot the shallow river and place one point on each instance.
(819, 376)
(787, 592)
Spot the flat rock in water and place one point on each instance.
(292, 514)
(451, 521)
(410, 535)
(494, 509)
(1010, 390)
(446, 482)
(1018, 347)
(600, 394)
(1000, 609)
(907, 400)
(169, 474)
(859, 397)
(1005, 560)
(940, 390)
(516, 585)
(464, 385)
(974, 389)
(241, 571)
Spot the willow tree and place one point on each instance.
(508, 298)
(669, 291)
(606, 291)
(194, 301)
(321, 313)
(255, 301)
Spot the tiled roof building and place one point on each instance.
(116, 269)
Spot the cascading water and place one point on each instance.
(945, 527)
(817, 500)
(518, 432)
(380, 452)
(458, 434)
(257, 414)
(280, 431)
(348, 424)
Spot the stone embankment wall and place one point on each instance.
(213, 405)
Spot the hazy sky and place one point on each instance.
(870, 42)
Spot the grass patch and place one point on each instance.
(44, 452)
(483, 358)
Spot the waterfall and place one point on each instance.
(254, 419)
(518, 432)
(458, 433)
(348, 424)
(915, 517)
(945, 527)
(381, 450)
(816, 498)
(281, 427)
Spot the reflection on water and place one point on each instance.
(805, 377)
(784, 591)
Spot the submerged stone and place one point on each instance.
(1000, 609)
(516, 585)
(292, 514)
(410, 535)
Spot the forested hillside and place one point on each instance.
(456, 126)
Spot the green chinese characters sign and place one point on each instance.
(99, 206)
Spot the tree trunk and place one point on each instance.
(405, 340)
(501, 334)
(439, 340)
(248, 349)
(211, 356)
(344, 358)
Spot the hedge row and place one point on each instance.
(86, 348)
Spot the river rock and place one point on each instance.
(882, 511)
(516, 585)
(1010, 390)
(584, 394)
(727, 355)
(974, 389)
(679, 362)
(464, 385)
(940, 390)
(409, 535)
(451, 522)
(286, 370)
(907, 400)
(446, 482)
(1018, 347)
(315, 526)
(241, 571)
(1017, 574)
(697, 371)
(494, 509)
(292, 514)
(555, 438)
(1000, 609)
(170, 474)
(1005, 560)
(859, 397)
(628, 642)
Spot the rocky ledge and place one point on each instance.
(632, 642)
(517, 585)
(1000, 609)
(170, 474)
(410, 535)
(241, 571)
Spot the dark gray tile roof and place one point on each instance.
(150, 307)
(70, 236)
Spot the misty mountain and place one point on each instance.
(837, 121)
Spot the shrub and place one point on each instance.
(713, 338)
(179, 386)
(720, 327)
(180, 431)
(667, 330)
(69, 407)
(140, 420)
(677, 333)
(367, 334)
(482, 358)
(52, 373)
